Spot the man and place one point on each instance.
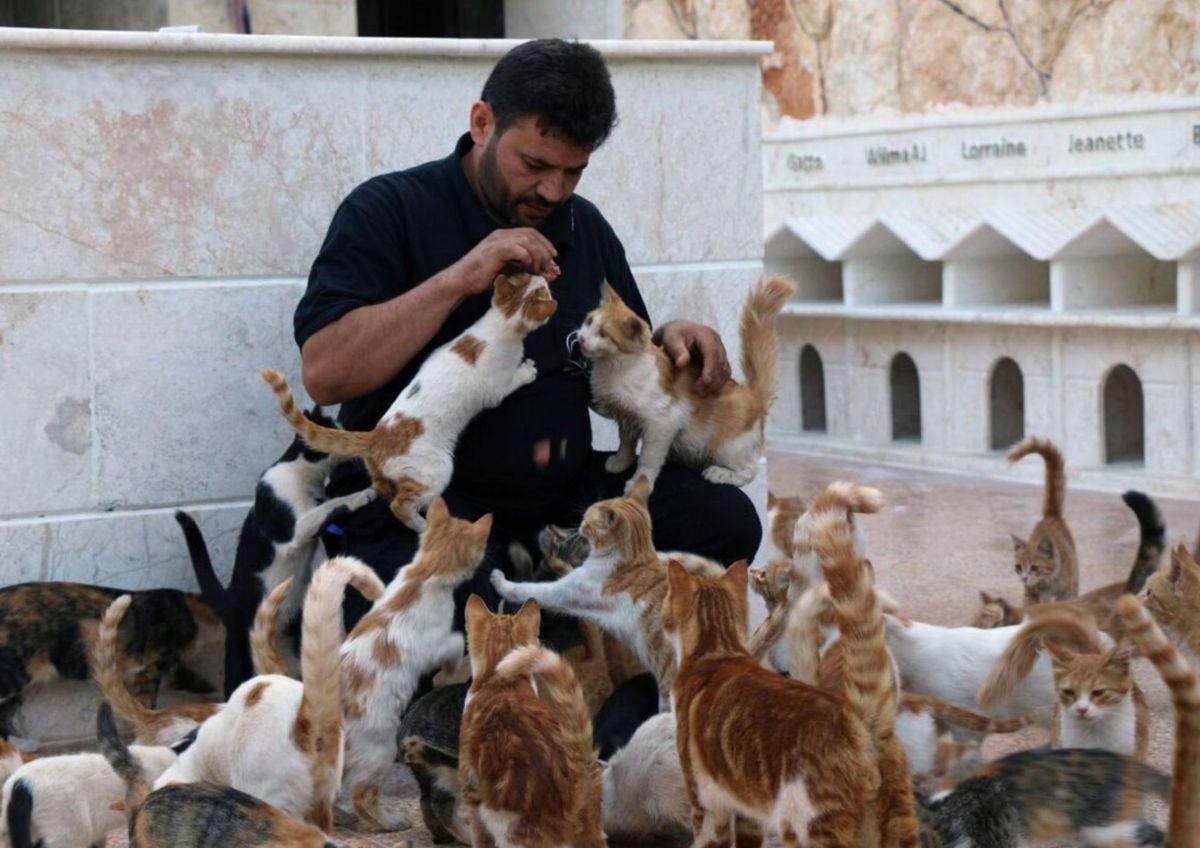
(408, 264)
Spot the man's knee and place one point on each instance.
(741, 528)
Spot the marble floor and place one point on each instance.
(941, 539)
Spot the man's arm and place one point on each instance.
(368, 346)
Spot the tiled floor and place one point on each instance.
(941, 539)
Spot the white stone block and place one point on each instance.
(1111, 281)
(995, 281)
(564, 18)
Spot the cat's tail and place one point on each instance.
(1025, 647)
(325, 439)
(137, 787)
(1153, 539)
(849, 498)
(264, 636)
(760, 341)
(211, 589)
(1056, 475)
(318, 726)
(1184, 828)
(946, 713)
(106, 668)
(556, 685)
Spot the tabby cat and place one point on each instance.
(1172, 595)
(1047, 562)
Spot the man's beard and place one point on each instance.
(496, 194)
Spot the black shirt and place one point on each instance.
(396, 231)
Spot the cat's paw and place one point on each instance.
(526, 372)
(617, 463)
(633, 481)
(361, 499)
(717, 474)
(499, 581)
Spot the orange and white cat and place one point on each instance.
(528, 771)
(407, 634)
(410, 453)
(1099, 704)
(635, 383)
(1047, 562)
(1172, 594)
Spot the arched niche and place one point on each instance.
(812, 391)
(1006, 404)
(906, 399)
(1124, 416)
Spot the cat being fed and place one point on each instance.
(410, 453)
(635, 383)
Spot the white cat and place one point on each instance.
(645, 798)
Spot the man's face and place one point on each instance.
(526, 173)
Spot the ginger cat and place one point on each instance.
(1172, 595)
(410, 453)
(1008, 676)
(635, 383)
(816, 768)
(1099, 704)
(529, 774)
(1047, 562)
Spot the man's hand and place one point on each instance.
(687, 341)
(505, 251)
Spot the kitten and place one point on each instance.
(1172, 595)
(645, 799)
(528, 771)
(1099, 704)
(1008, 677)
(817, 768)
(1099, 603)
(195, 815)
(619, 587)
(278, 540)
(1047, 796)
(410, 453)
(45, 627)
(163, 726)
(407, 634)
(1047, 562)
(1183, 831)
(280, 739)
(70, 800)
(635, 383)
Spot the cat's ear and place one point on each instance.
(1062, 654)
(1018, 542)
(678, 580)
(771, 501)
(985, 598)
(529, 619)
(736, 577)
(483, 526)
(635, 329)
(1046, 548)
(1185, 573)
(641, 490)
(1010, 613)
(1121, 656)
(437, 511)
(476, 614)
(609, 294)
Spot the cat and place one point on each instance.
(589, 661)
(1183, 829)
(278, 539)
(635, 383)
(70, 800)
(410, 453)
(1047, 562)
(816, 768)
(45, 629)
(1172, 594)
(195, 815)
(645, 799)
(995, 611)
(1046, 797)
(783, 511)
(1099, 704)
(162, 726)
(620, 586)
(281, 739)
(528, 771)
(1008, 677)
(406, 634)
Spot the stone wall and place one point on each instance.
(847, 57)
(267, 17)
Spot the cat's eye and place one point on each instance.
(1069, 693)
(1099, 693)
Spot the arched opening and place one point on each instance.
(1007, 404)
(1124, 417)
(812, 391)
(906, 399)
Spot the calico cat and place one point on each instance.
(278, 539)
(1183, 831)
(619, 587)
(635, 383)
(195, 815)
(1048, 796)
(407, 634)
(1099, 704)
(817, 768)
(1172, 595)
(410, 453)
(162, 726)
(70, 800)
(528, 771)
(1047, 562)
(995, 611)
(45, 629)
(281, 739)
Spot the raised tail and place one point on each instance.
(211, 588)
(849, 498)
(18, 816)
(318, 726)
(1184, 828)
(1023, 650)
(1153, 539)
(760, 341)
(557, 686)
(264, 636)
(121, 759)
(106, 668)
(1056, 474)
(325, 439)
(946, 713)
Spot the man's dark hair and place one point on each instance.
(563, 84)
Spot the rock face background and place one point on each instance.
(846, 57)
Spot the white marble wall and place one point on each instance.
(164, 197)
